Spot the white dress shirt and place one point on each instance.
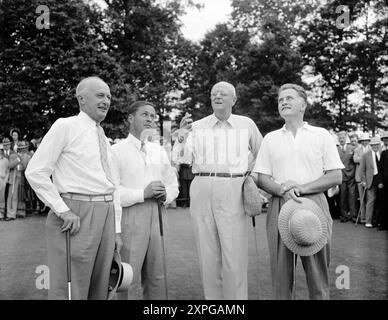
(70, 153)
(374, 155)
(136, 170)
(303, 158)
(229, 146)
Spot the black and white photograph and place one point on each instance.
(203, 152)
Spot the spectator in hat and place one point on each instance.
(4, 172)
(147, 180)
(183, 165)
(81, 195)
(383, 217)
(7, 153)
(297, 160)
(384, 139)
(18, 161)
(358, 152)
(348, 186)
(371, 179)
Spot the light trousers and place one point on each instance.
(221, 233)
(281, 258)
(92, 250)
(142, 249)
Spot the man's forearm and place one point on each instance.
(328, 180)
(266, 183)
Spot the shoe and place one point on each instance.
(9, 219)
(342, 219)
(368, 225)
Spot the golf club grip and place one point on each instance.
(160, 218)
(68, 256)
(253, 221)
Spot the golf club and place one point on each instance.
(257, 254)
(68, 263)
(163, 248)
(294, 277)
(361, 204)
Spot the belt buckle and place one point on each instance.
(105, 198)
(213, 174)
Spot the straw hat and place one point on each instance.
(364, 136)
(375, 140)
(120, 277)
(22, 145)
(6, 142)
(303, 227)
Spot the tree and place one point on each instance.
(145, 38)
(348, 62)
(41, 67)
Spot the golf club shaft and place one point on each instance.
(68, 262)
(361, 204)
(294, 277)
(257, 255)
(163, 248)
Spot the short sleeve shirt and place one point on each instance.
(303, 158)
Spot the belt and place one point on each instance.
(221, 175)
(89, 198)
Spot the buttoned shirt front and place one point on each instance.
(135, 169)
(70, 153)
(303, 158)
(229, 146)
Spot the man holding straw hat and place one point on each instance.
(298, 160)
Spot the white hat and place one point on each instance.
(364, 136)
(303, 227)
(375, 140)
(120, 277)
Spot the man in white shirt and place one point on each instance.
(371, 179)
(146, 178)
(183, 165)
(358, 152)
(297, 160)
(223, 148)
(4, 172)
(76, 152)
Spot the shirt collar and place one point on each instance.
(87, 120)
(134, 141)
(305, 126)
(214, 120)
